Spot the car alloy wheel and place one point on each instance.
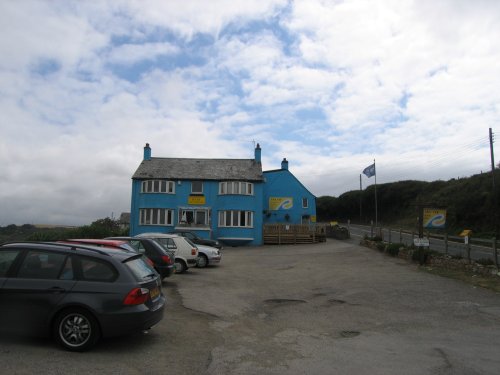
(76, 330)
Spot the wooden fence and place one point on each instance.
(285, 234)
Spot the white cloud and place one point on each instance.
(133, 53)
(189, 17)
(330, 85)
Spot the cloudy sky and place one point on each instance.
(330, 85)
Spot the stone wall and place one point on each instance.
(441, 261)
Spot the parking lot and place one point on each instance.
(328, 308)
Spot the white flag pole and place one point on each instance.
(376, 209)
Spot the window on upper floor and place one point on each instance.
(156, 216)
(196, 187)
(236, 187)
(234, 218)
(305, 203)
(158, 186)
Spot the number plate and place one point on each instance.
(154, 293)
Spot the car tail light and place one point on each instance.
(167, 259)
(150, 262)
(136, 296)
(194, 251)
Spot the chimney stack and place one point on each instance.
(257, 153)
(284, 164)
(147, 152)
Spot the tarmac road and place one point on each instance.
(328, 308)
(454, 248)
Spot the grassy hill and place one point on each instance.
(98, 229)
(469, 202)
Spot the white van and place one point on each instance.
(186, 253)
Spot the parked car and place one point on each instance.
(76, 293)
(197, 240)
(208, 255)
(163, 259)
(115, 244)
(186, 254)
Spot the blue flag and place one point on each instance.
(369, 171)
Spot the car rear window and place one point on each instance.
(137, 245)
(189, 242)
(139, 268)
(166, 242)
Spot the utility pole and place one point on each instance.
(494, 195)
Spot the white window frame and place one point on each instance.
(196, 192)
(305, 203)
(156, 216)
(235, 188)
(195, 211)
(158, 186)
(234, 219)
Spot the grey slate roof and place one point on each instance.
(200, 169)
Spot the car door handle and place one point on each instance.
(56, 290)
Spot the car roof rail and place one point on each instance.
(72, 246)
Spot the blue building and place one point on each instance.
(225, 199)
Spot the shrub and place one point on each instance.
(393, 249)
(377, 239)
(380, 246)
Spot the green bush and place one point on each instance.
(377, 239)
(393, 249)
(380, 246)
(46, 235)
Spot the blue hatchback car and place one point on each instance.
(76, 293)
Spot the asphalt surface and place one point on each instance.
(329, 308)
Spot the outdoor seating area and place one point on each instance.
(287, 234)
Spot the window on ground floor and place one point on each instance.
(156, 216)
(235, 218)
(198, 216)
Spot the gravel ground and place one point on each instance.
(329, 308)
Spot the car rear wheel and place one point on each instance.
(76, 330)
(180, 266)
(202, 261)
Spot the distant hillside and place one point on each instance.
(469, 203)
(98, 229)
